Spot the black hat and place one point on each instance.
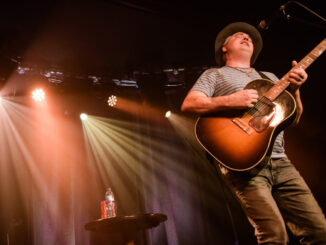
(230, 30)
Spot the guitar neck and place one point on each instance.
(283, 83)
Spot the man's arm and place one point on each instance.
(297, 98)
(199, 103)
(297, 76)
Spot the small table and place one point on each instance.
(126, 224)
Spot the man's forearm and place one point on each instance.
(298, 101)
(202, 105)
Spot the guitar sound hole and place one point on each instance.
(262, 114)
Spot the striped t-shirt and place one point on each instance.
(227, 80)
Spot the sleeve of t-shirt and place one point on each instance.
(206, 82)
(271, 76)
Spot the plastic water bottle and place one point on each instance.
(108, 206)
(109, 194)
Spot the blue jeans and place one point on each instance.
(274, 195)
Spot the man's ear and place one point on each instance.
(224, 49)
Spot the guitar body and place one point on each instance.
(240, 139)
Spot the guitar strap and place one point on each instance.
(263, 75)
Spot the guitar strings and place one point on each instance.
(259, 106)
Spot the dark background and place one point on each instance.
(110, 35)
(115, 38)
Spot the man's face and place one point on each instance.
(239, 42)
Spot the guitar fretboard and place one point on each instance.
(279, 87)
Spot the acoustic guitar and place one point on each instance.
(241, 139)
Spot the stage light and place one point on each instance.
(83, 116)
(38, 95)
(112, 100)
(168, 114)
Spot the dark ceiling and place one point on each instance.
(105, 35)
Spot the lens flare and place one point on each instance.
(168, 114)
(38, 95)
(112, 100)
(83, 116)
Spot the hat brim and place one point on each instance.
(230, 30)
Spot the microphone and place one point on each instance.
(265, 23)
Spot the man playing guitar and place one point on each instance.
(272, 193)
